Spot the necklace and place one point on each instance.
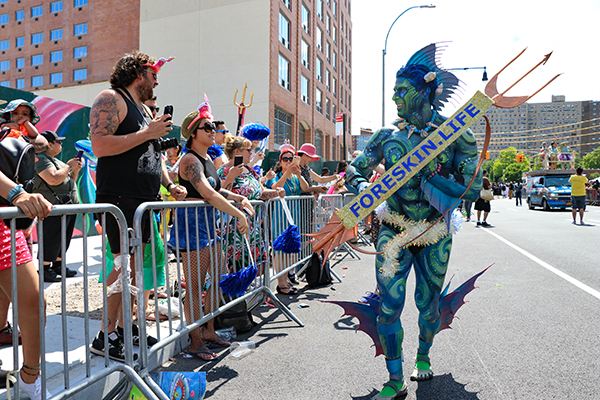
(422, 132)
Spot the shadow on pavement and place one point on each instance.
(443, 387)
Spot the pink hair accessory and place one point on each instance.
(158, 65)
(204, 111)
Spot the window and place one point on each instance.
(319, 39)
(56, 56)
(37, 38)
(304, 91)
(56, 78)
(37, 81)
(288, 4)
(20, 41)
(37, 59)
(320, 9)
(284, 72)
(319, 100)
(56, 34)
(328, 22)
(305, 51)
(5, 83)
(4, 44)
(334, 8)
(20, 83)
(284, 31)
(3, 19)
(319, 142)
(328, 51)
(80, 74)
(334, 34)
(283, 126)
(19, 15)
(4, 65)
(305, 19)
(327, 78)
(328, 109)
(80, 29)
(79, 3)
(334, 86)
(20, 62)
(37, 11)
(319, 70)
(80, 52)
(334, 61)
(56, 6)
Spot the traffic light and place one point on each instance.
(487, 155)
(520, 158)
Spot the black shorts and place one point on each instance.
(578, 202)
(482, 205)
(127, 205)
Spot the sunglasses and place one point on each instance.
(152, 109)
(223, 131)
(208, 127)
(287, 159)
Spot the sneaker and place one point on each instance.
(369, 296)
(292, 278)
(33, 390)
(468, 219)
(478, 223)
(57, 268)
(581, 223)
(6, 335)
(135, 333)
(574, 222)
(115, 346)
(50, 276)
(485, 224)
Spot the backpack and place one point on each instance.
(317, 276)
(238, 316)
(17, 162)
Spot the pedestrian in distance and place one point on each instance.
(519, 194)
(578, 182)
(483, 205)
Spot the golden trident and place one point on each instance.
(242, 107)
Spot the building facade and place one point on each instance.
(293, 55)
(530, 125)
(359, 142)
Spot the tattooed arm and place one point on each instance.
(108, 111)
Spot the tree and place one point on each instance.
(514, 172)
(592, 160)
(489, 167)
(505, 158)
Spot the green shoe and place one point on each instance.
(422, 370)
(392, 390)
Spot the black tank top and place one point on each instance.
(137, 172)
(210, 173)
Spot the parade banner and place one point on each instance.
(419, 157)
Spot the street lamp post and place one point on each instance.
(383, 62)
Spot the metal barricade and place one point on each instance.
(75, 348)
(220, 243)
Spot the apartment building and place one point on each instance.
(293, 55)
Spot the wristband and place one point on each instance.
(14, 192)
(169, 186)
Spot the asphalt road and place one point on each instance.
(530, 330)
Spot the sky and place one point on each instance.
(481, 33)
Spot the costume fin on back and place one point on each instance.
(367, 314)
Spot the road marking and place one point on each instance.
(549, 267)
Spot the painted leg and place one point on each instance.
(392, 292)
(431, 264)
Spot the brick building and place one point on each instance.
(294, 55)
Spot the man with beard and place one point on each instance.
(130, 171)
(418, 92)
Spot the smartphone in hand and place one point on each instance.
(238, 160)
(297, 160)
(168, 110)
(79, 154)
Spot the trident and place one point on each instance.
(510, 102)
(242, 107)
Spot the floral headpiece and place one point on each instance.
(204, 111)
(158, 65)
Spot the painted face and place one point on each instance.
(22, 113)
(407, 99)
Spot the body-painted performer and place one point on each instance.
(421, 88)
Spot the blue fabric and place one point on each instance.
(200, 231)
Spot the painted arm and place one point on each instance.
(357, 173)
(108, 111)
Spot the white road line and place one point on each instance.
(549, 267)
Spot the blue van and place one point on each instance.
(549, 189)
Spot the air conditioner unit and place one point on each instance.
(304, 98)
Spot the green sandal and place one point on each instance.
(395, 392)
(422, 370)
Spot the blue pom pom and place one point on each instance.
(235, 284)
(255, 131)
(214, 151)
(289, 241)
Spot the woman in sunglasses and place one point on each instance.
(198, 175)
(288, 176)
(216, 150)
